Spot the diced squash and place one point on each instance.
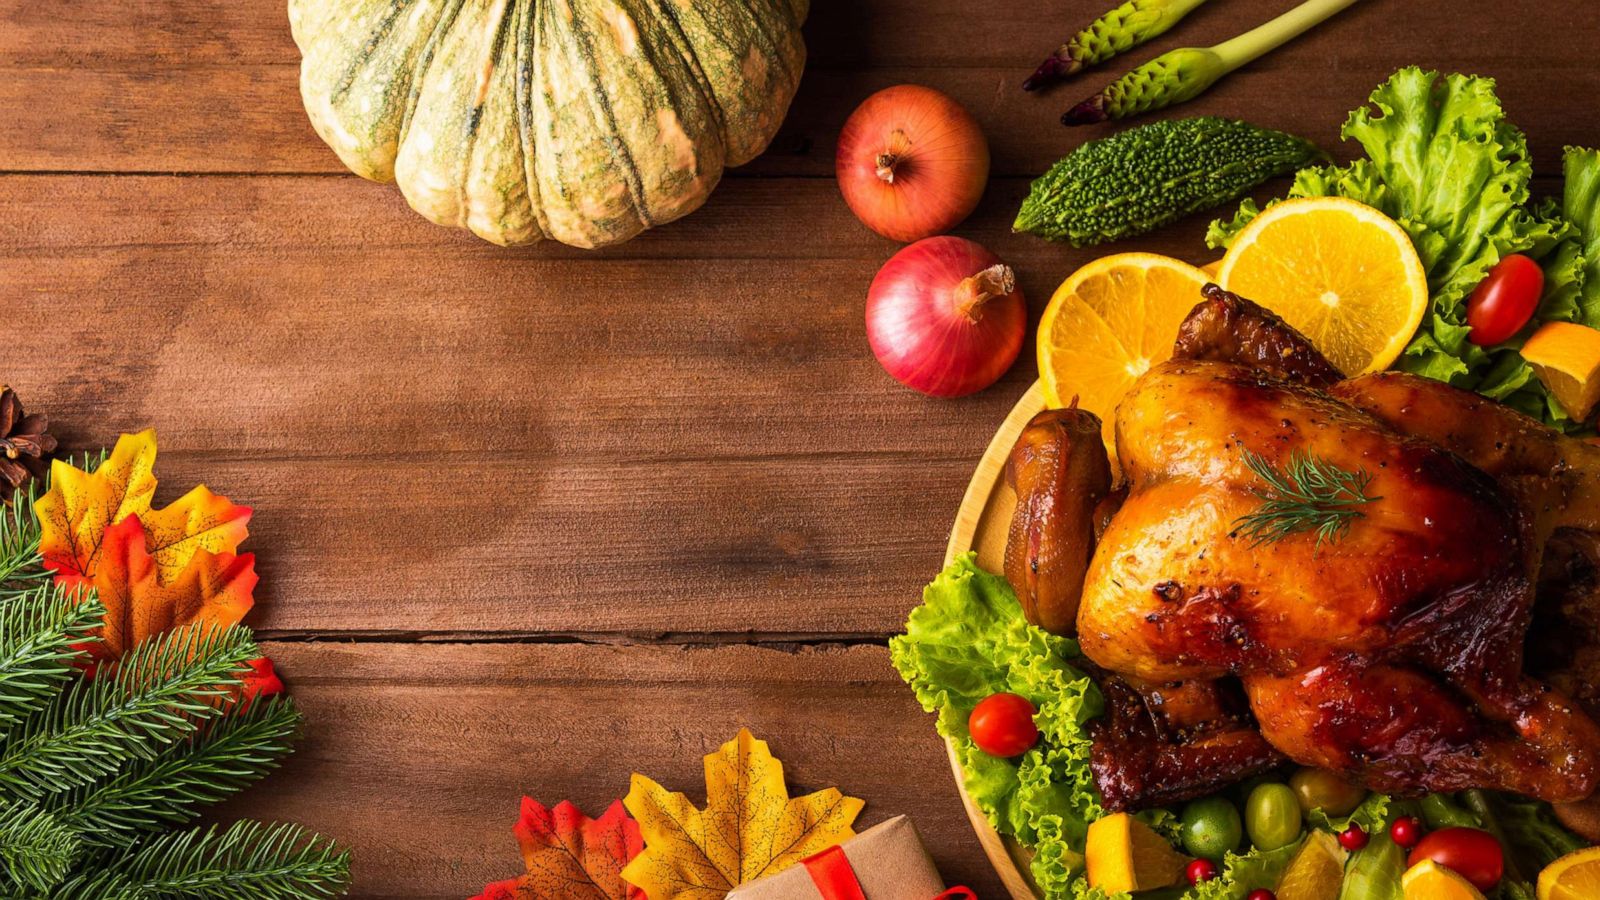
(1566, 358)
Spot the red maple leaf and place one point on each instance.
(570, 856)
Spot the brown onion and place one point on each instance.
(944, 317)
(911, 162)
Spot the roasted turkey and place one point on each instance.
(1299, 566)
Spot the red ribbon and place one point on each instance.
(834, 878)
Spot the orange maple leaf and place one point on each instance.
(153, 569)
(214, 589)
(80, 508)
(570, 856)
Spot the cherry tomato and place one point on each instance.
(1353, 838)
(1261, 894)
(1504, 301)
(1201, 870)
(1471, 853)
(1002, 725)
(1406, 831)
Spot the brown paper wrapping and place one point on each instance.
(889, 861)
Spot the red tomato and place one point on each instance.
(1406, 831)
(1504, 301)
(1473, 854)
(1201, 870)
(1002, 725)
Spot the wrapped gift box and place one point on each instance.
(885, 862)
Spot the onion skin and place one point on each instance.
(911, 162)
(944, 317)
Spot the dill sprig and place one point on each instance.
(1309, 494)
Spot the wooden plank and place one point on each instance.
(229, 102)
(443, 437)
(417, 755)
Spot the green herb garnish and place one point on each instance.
(1310, 494)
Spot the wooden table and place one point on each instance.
(529, 520)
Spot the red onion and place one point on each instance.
(911, 162)
(944, 317)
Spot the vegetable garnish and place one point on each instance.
(1145, 177)
(1118, 31)
(1309, 494)
(1181, 75)
(1443, 162)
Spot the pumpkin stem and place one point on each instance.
(889, 159)
(974, 291)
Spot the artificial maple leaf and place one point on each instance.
(80, 507)
(75, 513)
(750, 827)
(570, 856)
(214, 589)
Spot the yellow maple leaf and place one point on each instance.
(749, 829)
(80, 507)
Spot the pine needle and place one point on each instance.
(158, 694)
(220, 761)
(247, 861)
(1310, 494)
(41, 635)
(37, 849)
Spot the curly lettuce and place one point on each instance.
(968, 640)
(1442, 161)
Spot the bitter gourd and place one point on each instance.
(1145, 177)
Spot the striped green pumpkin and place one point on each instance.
(586, 121)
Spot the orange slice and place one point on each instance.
(1566, 358)
(1316, 872)
(1108, 323)
(1342, 273)
(1575, 876)
(1427, 880)
(1123, 854)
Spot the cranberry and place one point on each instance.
(1201, 870)
(1406, 831)
(1353, 838)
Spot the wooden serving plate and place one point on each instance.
(981, 525)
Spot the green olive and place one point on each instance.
(1327, 791)
(1211, 827)
(1272, 816)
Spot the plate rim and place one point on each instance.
(1009, 859)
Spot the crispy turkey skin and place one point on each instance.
(1392, 652)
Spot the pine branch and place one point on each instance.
(247, 861)
(38, 631)
(21, 569)
(37, 849)
(235, 752)
(158, 694)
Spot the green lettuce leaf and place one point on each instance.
(1581, 206)
(1374, 871)
(968, 640)
(1442, 161)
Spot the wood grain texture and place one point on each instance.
(418, 757)
(684, 434)
(211, 86)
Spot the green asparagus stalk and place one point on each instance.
(1118, 31)
(1182, 75)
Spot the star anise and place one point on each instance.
(25, 444)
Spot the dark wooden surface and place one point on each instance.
(531, 519)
